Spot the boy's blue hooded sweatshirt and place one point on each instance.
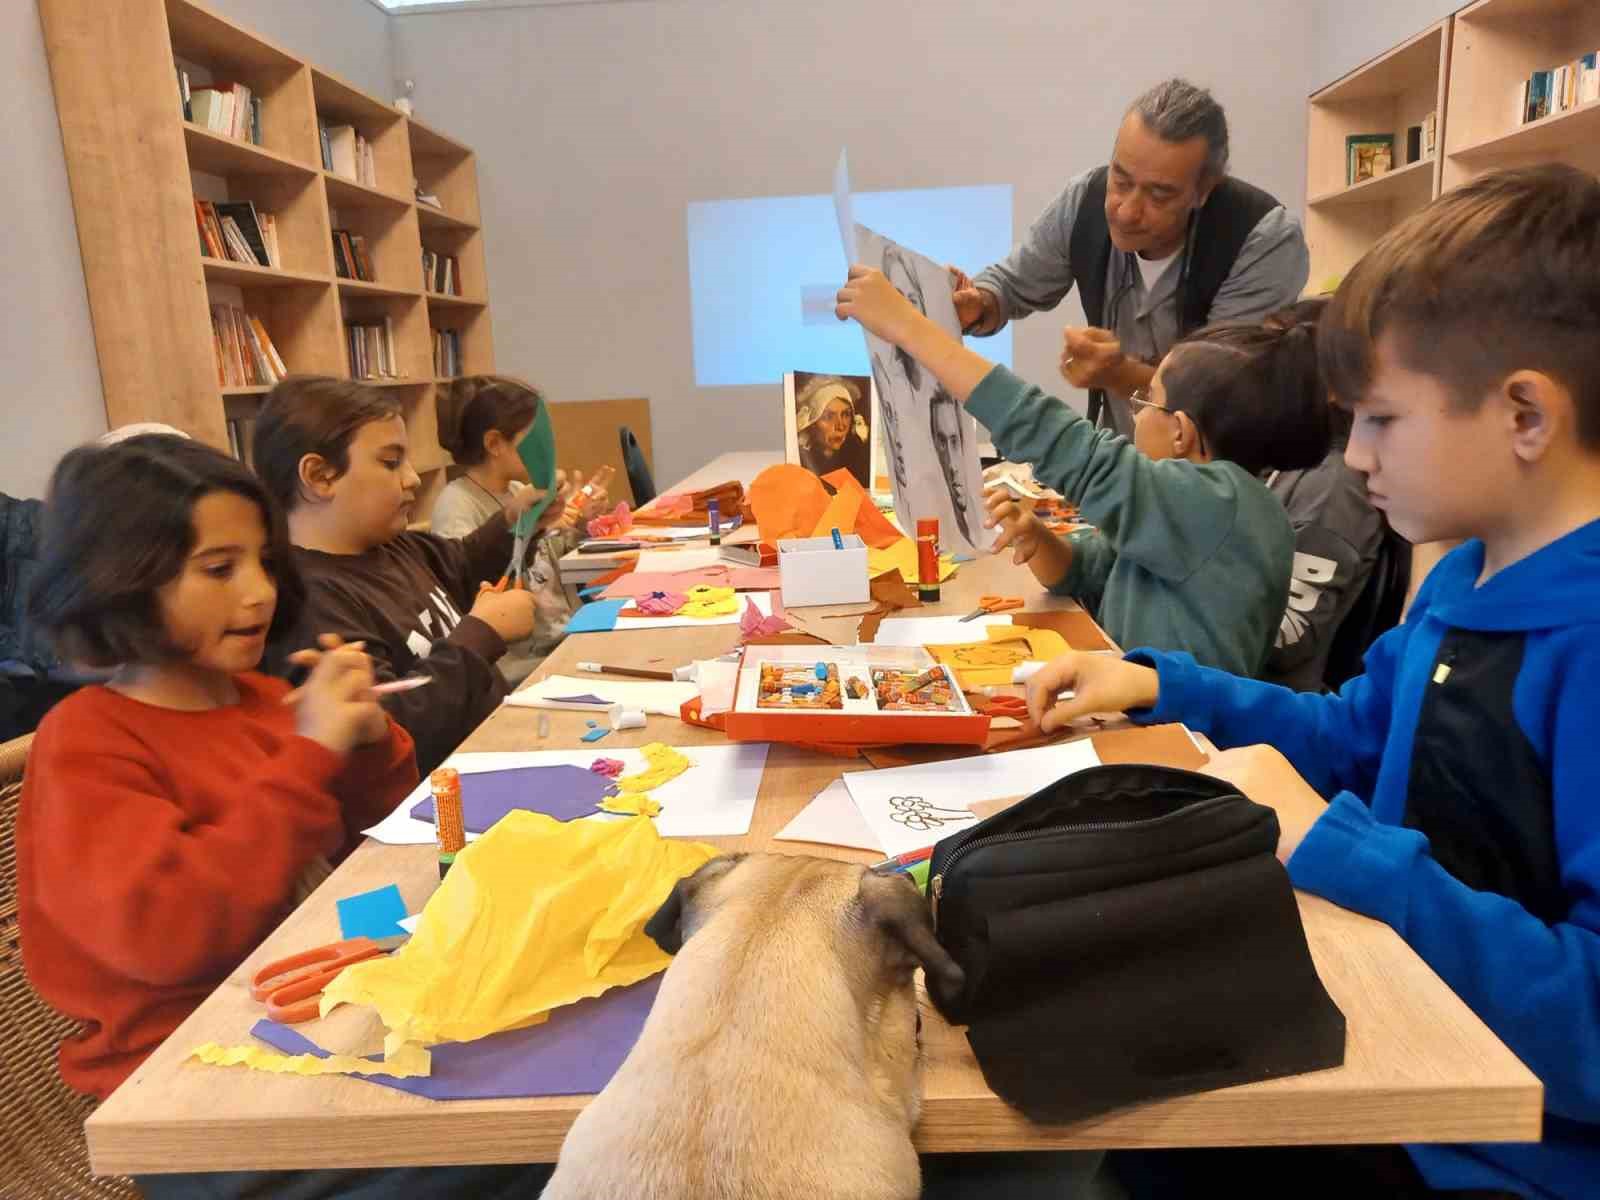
(1463, 772)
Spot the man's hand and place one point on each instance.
(1091, 358)
(977, 308)
(1264, 775)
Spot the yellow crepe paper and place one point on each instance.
(902, 557)
(411, 1062)
(631, 806)
(535, 914)
(665, 765)
(990, 663)
(707, 601)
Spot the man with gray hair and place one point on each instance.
(1159, 242)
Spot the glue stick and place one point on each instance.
(714, 519)
(928, 559)
(447, 819)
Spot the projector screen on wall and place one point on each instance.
(763, 273)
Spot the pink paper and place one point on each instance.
(753, 624)
(637, 584)
(619, 520)
(661, 604)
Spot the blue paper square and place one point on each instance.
(598, 617)
(372, 914)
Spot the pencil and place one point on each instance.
(401, 685)
(636, 672)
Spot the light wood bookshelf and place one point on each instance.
(1499, 43)
(135, 165)
(1387, 95)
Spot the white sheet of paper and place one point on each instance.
(935, 631)
(843, 209)
(909, 808)
(662, 696)
(931, 441)
(831, 819)
(690, 559)
(762, 601)
(718, 681)
(714, 798)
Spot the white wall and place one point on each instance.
(1346, 33)
(595, 124)
(52, 399)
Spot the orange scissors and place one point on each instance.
(993, 604)
(515, 569)
(1007, 706)
(291, 986)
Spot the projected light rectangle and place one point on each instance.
(763, 272)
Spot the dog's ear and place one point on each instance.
(670, 925)
(892, 903)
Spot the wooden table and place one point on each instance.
(1419, 1065)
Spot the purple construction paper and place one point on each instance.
(574, 1053)
(486, 796)
(585, 699)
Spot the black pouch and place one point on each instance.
(1128, 933)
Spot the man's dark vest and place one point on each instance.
(1216, 235)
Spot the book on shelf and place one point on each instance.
(246, 356)
(1559, 89)
(237, 233)
(241, 439)
(350, 257)
(184, 104)
(441, 273)
(370, 346)
(346, 153)
(227, 108)
(1368, 155)
(446, 353)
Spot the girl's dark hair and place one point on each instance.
(1254, 393)
(118, 524)
(475, 404)
(312, 414)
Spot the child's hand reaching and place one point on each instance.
(521, 500)
(876, 304)
(335, 706)
(1101, 683)
(1031, 542)
(1263, 774)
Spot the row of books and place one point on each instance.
(230, 109)
(350, 257)
(441, 273)
(1554, 91)
(345, 152)
(371, 350)
(446, 353)
(246, 356)
(241, 439)
(238, 233)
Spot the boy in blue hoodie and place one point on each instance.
(1453, 791)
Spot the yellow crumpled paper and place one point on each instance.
(414, 1062)
(708, 601)
(535, 914)
(663, 765)
(902, 557)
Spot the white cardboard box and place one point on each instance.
(814, 571)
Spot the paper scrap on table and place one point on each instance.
(574, 1053)
(831, 819)
(717, 681)
(565, 792)
(636, 584)
(613, 618)
(936, 631)
(910, 808)
(715, 799)
(664, 697)
(501, 945)
(412, 1063)
(902, 556)
(597, 616)
(931, 441)
(374, 914)
(990, 663)
(690, 558)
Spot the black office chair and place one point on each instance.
(1376, 612)
(640, 481)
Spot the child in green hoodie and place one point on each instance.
(1190, 551)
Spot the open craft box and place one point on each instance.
(849, 695)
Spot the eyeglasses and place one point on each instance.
(1140, 398)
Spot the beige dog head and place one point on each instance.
(787, 914)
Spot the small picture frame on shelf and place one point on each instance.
(1368, 155)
